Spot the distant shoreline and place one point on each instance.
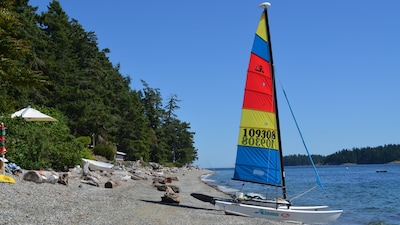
(344, 164)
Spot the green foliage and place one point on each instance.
(105, 150)
(42, 145)
(171, 164)
(367, 155)
(86, 140)
(87, 154)
(302, 160)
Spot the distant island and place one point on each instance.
(368, 155)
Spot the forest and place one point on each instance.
(50, 62)
(367, 155)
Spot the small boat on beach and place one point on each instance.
(97, 165)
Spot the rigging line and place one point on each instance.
(319, 182)
(305, 192)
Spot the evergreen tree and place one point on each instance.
(17, 59)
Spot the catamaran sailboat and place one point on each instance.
(259, 152)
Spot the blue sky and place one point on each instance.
(338, 62)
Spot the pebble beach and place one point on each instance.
(135, 202)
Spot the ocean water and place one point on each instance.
(366, 196)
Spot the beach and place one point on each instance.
(134, 202)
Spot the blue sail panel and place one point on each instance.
(258, 165)
(261, 48)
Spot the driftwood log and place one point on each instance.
(171, 197)
(85, 169)
(137, 177)
(33, 176)
(163, 187)
(41, 176)
(170, 179)
(158, 180)
(114, 183)
(63, 179)
(90, 182)
(88, 177)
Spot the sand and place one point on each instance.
(135, 202)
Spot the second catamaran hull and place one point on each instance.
(299, 214)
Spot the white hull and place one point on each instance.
(97, 165)
(299, 214)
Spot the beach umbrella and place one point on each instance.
(31, 114)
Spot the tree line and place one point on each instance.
(49, 61)
(367, 155)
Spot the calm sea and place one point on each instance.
(366, 196)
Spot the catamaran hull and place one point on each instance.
(299, 214)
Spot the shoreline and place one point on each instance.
(135, 202)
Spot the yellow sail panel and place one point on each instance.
(258, 119)
(261, 29)
(258, 129)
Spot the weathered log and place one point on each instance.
(41, 176)
(158, 180)
(114, 183)
(33, 176)
(63, 179)
(163, 187)
(137, 177)
(50, 176)
(174, 188)
(85, 170)
(173, 178)
(170, 196)
(90, 182)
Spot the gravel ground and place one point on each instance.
(136, 202)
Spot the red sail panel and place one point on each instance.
(259, 91)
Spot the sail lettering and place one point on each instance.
(259, 138)
(269, 134)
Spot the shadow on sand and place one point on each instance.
(176, 205)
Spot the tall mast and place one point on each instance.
(265, 6)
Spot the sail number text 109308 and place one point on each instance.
(259, 138)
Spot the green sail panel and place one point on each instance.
(258, 156)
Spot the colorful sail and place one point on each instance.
(258, 156)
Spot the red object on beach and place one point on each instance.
(3, 150)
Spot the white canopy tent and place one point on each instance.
(31, 114)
